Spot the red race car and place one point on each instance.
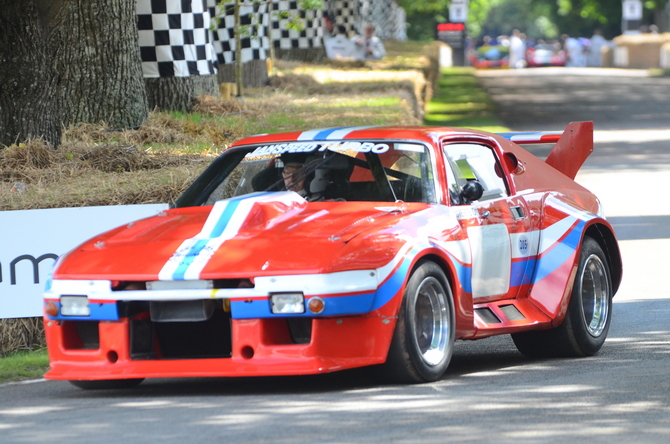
(317, 251)
(546, 55)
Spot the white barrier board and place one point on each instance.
(31, 240)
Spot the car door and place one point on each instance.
(497, 224)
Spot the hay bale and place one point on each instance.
(32, 154)
(115, 158)
(644, 50)
(665, 56)
(21, 334)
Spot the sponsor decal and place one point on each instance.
(30, 258)
(309, 147)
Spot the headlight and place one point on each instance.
(287, 303)
(74, 306)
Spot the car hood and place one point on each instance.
(260, 234)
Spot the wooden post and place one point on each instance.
(227, 90)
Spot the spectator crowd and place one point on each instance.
(519, 51)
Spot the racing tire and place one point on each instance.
(589, 314)
(423, 339)
(107, 384)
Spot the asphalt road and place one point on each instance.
(491, 393)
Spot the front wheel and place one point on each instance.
(107, 384)
(423, 339)
(587, 321)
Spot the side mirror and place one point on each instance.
(472, 190)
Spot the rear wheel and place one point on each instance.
(423, 339)
(587, 321)
(107, 384)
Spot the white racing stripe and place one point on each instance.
(330, 133)
(223, 223)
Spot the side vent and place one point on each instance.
(487, 315)
(512, 313)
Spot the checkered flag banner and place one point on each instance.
(387, 17)
(398, 25)
(282, 37)
(262, 24)
(254, 19)
(174, 38)
(348, 13)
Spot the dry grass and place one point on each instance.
(21, 334)
(34, 175)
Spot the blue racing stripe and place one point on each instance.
(99, 312)
(325, 133)
(510, 135)
(549, 262)
(464, 275)
(522, 272)
(217, 231)
(222, 223)
(188, 259)
(335, 306)
(392, 285)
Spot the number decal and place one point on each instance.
(523, 245)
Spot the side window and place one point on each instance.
(415, 183)
(470, 162)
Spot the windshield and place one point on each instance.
(345, 170)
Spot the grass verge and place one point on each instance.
(659, 72)
(23, 365)
(461, 102)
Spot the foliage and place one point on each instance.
(582, 17)
(529, 16)
(23, 365)
(423, 15)
(536, 18)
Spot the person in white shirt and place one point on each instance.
(517, 50)
(574, 50)
(339, 46)
(329, 30)
(369, 46)
(595, 49)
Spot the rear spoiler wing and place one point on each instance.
(572, 145)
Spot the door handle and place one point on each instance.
(485, 214)
(518, 213)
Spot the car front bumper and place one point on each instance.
(257, 347)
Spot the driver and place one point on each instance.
(308, 184)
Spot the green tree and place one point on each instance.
(538, 18)
(529, 16)
(68, 60)
(582, 17)
(423, 15)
